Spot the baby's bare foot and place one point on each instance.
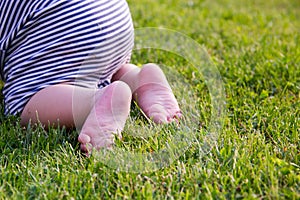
(155, 97)
(107, 118)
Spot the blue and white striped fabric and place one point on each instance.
(47, 42)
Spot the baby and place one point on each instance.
(67, 62)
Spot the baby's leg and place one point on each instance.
(151, 91)
(54, 105)
(98, 113)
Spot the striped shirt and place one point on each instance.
(47, 42)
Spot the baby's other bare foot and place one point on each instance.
(107, 118)
(155, 97)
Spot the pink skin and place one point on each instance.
(151, 91)
(101, 114)
(107, 118)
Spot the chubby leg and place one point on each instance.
(97, 113)
(151, 91)
(54, 105)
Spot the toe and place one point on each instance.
(86, 148)
(85, 143)
(178, 114)
(84, 139)
(175, 117)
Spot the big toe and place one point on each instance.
(85, 145)
(84, 139)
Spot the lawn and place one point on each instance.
(239, 138)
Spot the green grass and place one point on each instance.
(255, 46)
